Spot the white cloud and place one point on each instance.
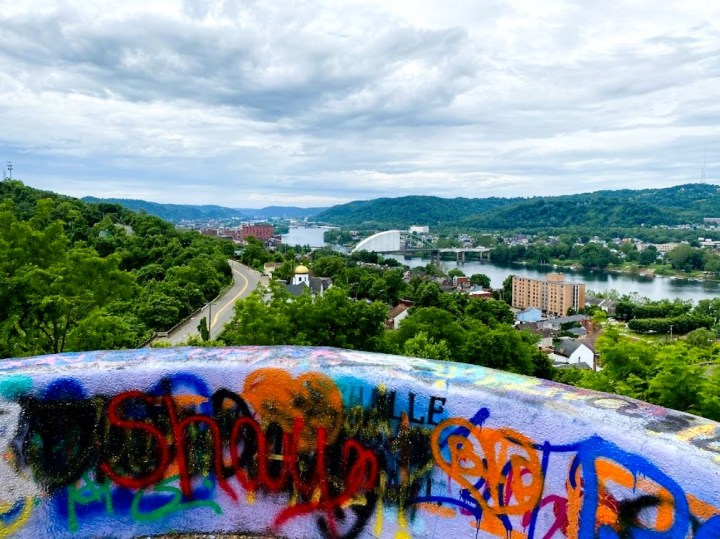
(245, 102)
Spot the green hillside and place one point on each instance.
(409, 210)
(625, 208)
(188, 212)
(77, 276)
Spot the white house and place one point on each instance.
(572, 352)
(397, 315)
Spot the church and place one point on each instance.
(302, 280)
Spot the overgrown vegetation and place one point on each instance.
(77, 276)
(682, 374)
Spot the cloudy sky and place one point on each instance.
(248, 103)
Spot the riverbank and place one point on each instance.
(623, 280)
(657, 270)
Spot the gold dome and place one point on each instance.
(302, 270)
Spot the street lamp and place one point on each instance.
(671, 326)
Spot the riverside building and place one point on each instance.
(554, 296)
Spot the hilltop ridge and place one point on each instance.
(688, 203)
(187, 212)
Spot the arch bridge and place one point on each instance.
(401, 242)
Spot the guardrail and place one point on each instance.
(165, 334)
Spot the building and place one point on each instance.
(302, 275)
(666, 247)
(415, 229)
(553, 296)
(261, 232)
(546, 335)
(302, 281)
(480, 293)
(461, 283)
(575, 353)
(531, 314)
(558, 323)
(269, 267)
(397, 314)
(607, 305)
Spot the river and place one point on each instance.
(655, 288)
(305, 236)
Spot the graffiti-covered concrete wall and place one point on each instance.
(307, 442)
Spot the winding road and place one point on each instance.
(245, 280)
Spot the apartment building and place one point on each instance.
(554, 296)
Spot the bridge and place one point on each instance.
(398, 242)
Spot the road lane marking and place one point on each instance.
(233, 300)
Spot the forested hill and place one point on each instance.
(77, 276)
(188, 212)
(625, 208)
(409, 210)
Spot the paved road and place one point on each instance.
(245, 280)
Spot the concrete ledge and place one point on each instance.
(314, 442)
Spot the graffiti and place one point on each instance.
(301, 442)
(17, 494)
(147, 505)
(608, 493)
(498, 462)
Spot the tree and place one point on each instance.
(202, 327)
(425, 347)
(329, 266)
(77, 276)
(393, 286)
(624, 360)
(648, 256)
(254, 253)
(710, 308)
(332, 319)
(103, 331)
(710, 394)
(158, 310)
(686, 258)
(285, 271)
(505, 294)
(490, 312)
(595, 256)
(480, 279)
(501, 348)
(712, 263)
(259, 323)
(63, 294)
(543, 367)
(678, 381)
(437, 324)
(701, 338)
(427, 294)
(599, 318)
(456, 272)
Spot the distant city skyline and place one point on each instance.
(250, 104)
